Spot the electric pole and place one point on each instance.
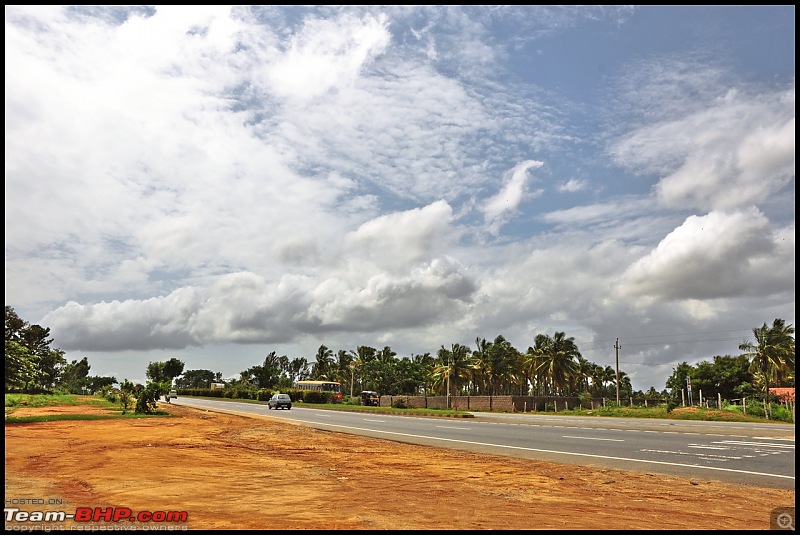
(616, 346)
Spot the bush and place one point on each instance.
(313, 396)
(781, 414)
(146, 401)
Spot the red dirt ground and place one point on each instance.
(235, 472)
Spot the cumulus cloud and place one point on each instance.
(252, 178)
(708, 257)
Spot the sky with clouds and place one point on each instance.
(217, 183)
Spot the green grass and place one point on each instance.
(14, 401)
(729, 414)
(12, 420)
(51, 400)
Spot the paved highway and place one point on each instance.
(751, 454)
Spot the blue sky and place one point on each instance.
(217, 183)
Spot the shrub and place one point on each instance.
(146, 401)
(400, 404)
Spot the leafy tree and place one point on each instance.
(425, 365)
(166, 371)
(677, 382)
(74, 378)
(198, 379)
(411, 377)
(21, 367)
(265, 375)
(147, 397)
(298, 369)
(126, 395)
(727, 376)
(48, 362)
(96, 383)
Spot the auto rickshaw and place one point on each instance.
(370, 398)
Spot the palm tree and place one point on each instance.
(298, 369)
(386, 355)
(426, 364)
(771, 355)
(609, 376)
(501, 364)
(479, 359)
(452, 364)
(343, 360)
(322, 368)
(359, 357)
(559, 360)
(283, 362)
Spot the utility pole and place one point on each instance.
(448, 382)
(616, 346)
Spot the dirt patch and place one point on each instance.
(23, 411)
(234, 472)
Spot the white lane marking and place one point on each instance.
(593, 438)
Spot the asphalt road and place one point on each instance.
(759, 454)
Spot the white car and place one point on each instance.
(173, 394)
(280, 401)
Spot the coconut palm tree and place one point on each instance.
(480, 355)
(772, 354)
(386, 355)
(502, 364)
(559, 363)
(323, 367)
(359, 357)
(343, 359)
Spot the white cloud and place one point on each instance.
(572, 185)
(709, 257)
(499, 208)
(217, 182)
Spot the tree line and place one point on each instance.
(552, 366)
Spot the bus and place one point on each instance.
(322, 386)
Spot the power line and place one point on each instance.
(599, 344)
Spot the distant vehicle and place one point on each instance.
(370, 398)
(334, 387)
(173, 394)
(280, 401)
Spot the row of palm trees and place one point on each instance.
(552, 366)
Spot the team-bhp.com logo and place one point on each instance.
(94, 514)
